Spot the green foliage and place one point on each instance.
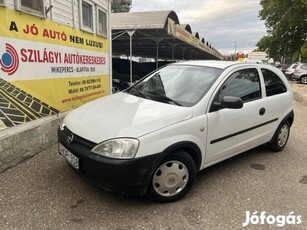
(304, 50)
(120, 7)
(286, 26)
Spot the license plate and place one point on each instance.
(71, 158)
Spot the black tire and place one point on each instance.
(292, 78)
(281, 137)
(116, 88)
(303, 80)
(178, 179)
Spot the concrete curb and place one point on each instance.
(26, 140)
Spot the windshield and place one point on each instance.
(181, 85)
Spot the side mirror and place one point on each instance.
(230, 102)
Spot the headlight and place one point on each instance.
(122, 148)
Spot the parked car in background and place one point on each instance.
(155, 136)
(121, 73)
(284, 67)
(300, 73)
(290, 70)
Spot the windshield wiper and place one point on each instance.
(139, 92)
(163, 97)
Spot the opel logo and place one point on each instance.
(70, 138)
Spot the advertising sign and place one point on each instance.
(47, 67)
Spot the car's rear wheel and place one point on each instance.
(303, 80)
(280, 138)
(173, 177)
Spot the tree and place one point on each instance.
(304, 52)
(286, 26)
(121, 6)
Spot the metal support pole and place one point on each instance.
(157, 52)
(157, 57)
(235, 56)
(173, 51)
(131, 32)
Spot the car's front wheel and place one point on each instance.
(173, 177)
(303, 80)
(280, 138)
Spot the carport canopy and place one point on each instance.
(157, 35)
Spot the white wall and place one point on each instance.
(67, 11)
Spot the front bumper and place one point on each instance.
(129, 177)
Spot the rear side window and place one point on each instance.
(294, 67)
(273, 84)
(244, 84)
(304, 67)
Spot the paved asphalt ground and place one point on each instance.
(44, 192)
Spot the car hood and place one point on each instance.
(123, 115)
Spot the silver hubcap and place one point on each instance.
(283, 135)
(304, 80)
(170, 178)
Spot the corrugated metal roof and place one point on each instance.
(196, 34)
(154, 35)
(142, 20)
(187, 27)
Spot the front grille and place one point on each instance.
(97, 181)
(79, 139)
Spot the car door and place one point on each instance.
(278, 99)
(231, 131)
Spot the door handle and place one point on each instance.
(262, 111)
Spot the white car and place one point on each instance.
(155, 136)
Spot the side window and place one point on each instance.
(87, 17)
(244, 84)
(273, 84)
(35, 7)
(2, 3)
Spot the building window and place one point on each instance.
(87, 16)
(35, 7)
(102, 22)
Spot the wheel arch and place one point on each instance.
(289, 117)
(190, 148)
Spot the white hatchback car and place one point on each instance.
(154, 137)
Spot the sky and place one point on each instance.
(225, 24)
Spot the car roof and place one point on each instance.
(211, 63)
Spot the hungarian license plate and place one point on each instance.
(70, 158)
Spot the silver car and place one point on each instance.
(300, 73)
(290, 70)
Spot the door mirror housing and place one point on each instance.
(230, 102)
